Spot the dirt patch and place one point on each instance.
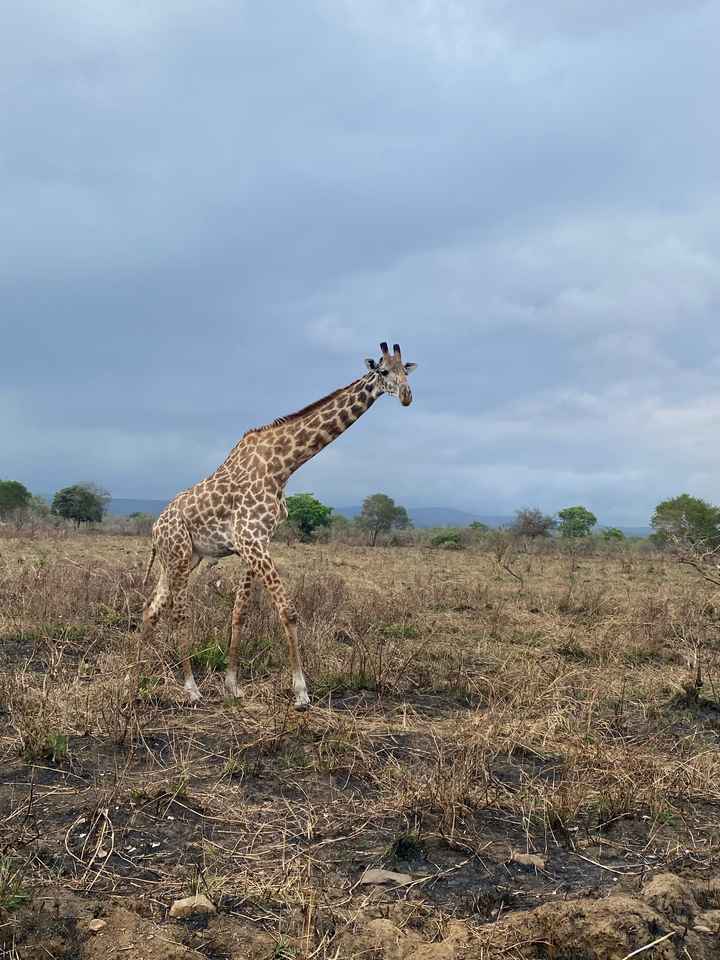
(669, 911)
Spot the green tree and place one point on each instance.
(380, 514)
(103, 495)
(479, 527)
(612, 534)
(449, 538)
(14, 497)
(306, 514)
(687, 518)
(83, 503)
(532, 522)
(576, 522)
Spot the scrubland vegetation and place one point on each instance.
(523, 733)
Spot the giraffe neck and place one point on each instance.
(296, 439)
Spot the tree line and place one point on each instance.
(83, 502)
(379, 514)
(683, 519)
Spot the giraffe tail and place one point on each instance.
(149, 566)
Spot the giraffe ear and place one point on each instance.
(409, 367)
(370, 364)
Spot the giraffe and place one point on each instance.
(236, 509)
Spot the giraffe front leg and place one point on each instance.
(241, 598)
(181, 619)
(260, 562)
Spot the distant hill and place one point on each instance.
(119, 507)
(420, 516)
(438, 516)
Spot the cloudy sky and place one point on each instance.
(211, 212)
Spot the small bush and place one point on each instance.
(147, 687)
(212, 657)
(449, 539)
(12, 892)
(52, 747)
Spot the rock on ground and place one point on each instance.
(191, 905)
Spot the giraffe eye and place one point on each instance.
(383, 373)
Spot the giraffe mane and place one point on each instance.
(302, 412)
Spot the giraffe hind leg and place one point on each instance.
(181, 621)
(177, 560)
(179, 574)
(153, 609)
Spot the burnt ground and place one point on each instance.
(533, 763)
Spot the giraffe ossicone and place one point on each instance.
(236, 509)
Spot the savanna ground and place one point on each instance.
(522, 746)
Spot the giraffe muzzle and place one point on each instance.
(405, 396)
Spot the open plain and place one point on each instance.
(508, 755)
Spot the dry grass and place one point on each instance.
(466, 705)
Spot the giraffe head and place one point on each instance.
(392, 373)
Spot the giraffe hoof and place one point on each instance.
(232, 689)
(193, 694)
(302, 706)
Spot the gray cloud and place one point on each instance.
(211, 213)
